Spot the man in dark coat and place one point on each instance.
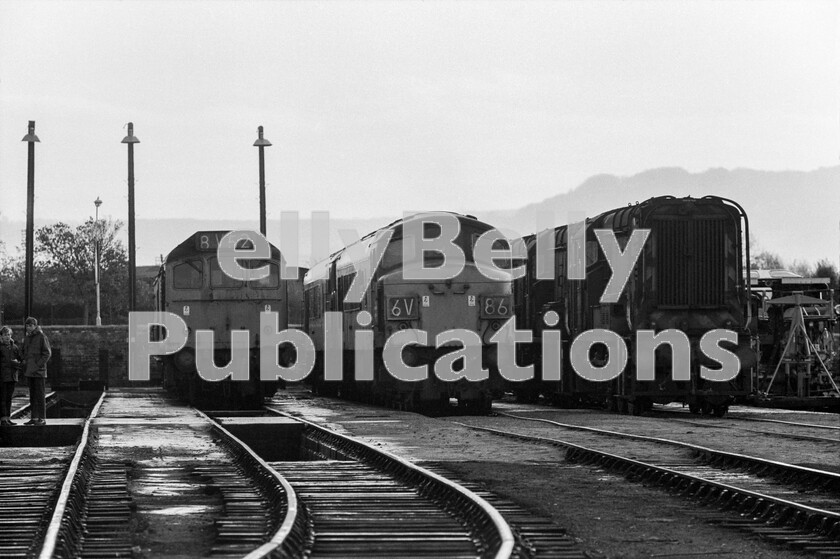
(36, 353)
(10, 359)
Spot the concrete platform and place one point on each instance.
(273, 438)
(57, 432)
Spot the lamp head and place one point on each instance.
(261, 142)
(30, 136)
(130, 139)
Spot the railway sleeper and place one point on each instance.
(756, 512)
(535, 536)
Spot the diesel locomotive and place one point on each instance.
(691, 276)
(393, 301)
(192, 284)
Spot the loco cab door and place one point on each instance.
(331, 295)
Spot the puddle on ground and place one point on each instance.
(183, 510)
(373, 421)
(164, 489)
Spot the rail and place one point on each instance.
(783, 469)
(291, 537)
(482, 517)
(71, 497)
(750, 503)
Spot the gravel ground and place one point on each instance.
(742, 437)
(608, 516)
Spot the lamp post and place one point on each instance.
(131, 140)
(96, 249)
(262, 143)
(30, 138)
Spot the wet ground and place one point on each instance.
(160, 448)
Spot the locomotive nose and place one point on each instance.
(185, 360)
(491, 357)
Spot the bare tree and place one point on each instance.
(766, 260)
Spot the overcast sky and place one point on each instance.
(378, 107)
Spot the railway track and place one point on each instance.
(821, 420)
(29, 485)
(777, 428)
(21, 412)
(363, 502)
(794, 505)
(534, 535)
(797, 443)
(151, 479)
(146, 479)
(816, 426)
(780, 434)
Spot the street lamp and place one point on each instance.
(262, 143)
(96, 249)
(131, 140)
(30, 138)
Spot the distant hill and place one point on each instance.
(792, 213)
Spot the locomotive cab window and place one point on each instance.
(220, 279)
(466, 239)
(393, 257)
(188, 275)
(344, 284)
(506, 263)
(272, 280)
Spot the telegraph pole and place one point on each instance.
(131, 140)
(262, 143)
(30, 138)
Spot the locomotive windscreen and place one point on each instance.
(690, 261)
(467, 236)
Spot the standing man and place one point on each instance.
(36, 353)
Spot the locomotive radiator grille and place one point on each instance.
(690, 262)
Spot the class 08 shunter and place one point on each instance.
(691, 276)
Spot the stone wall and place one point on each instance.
(85, 353)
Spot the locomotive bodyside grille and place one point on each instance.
(690, 262)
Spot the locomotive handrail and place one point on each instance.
(746, 253)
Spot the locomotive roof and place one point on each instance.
(620, 218)
(188, 248)
(319, 269)
(397, 224)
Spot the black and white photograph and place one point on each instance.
(419, 279)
